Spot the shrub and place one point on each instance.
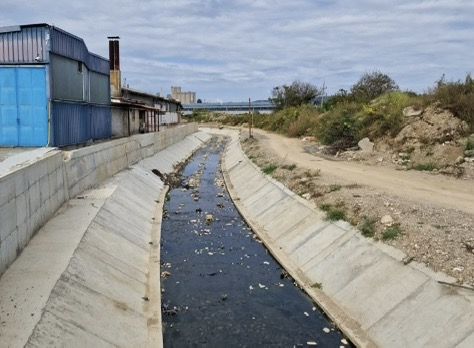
(335, 214)
(428, 167)
(391, 233)
(269, 169)
(456, 96)
(289, 167)
(371, 85)
(337, 125)
(367, 226)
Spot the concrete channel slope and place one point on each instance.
(367, 289)
(90, 276)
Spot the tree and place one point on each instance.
(199, 101)
(371, 85)
(298, 93)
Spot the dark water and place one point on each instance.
(222, 287)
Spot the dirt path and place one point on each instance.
(438, 190)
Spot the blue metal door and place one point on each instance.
(23, 106)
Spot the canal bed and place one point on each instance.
(220, 285)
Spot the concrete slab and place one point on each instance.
(27, 284)
(433, 316)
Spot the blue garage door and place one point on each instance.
(23, 106)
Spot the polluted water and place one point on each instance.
(220, 285)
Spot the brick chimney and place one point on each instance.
(114, 57)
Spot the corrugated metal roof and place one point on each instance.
(31, 44)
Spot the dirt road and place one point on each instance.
(440, 190)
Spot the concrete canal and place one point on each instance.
(220, 285)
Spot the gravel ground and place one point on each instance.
(443, 239)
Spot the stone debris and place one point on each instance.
(387, 220)
(366, 145)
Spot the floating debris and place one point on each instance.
(165, 274)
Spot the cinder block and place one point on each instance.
(7, 188)
(44, 189)
(22, 236)
(21, 181)
(7, 219)
(22, 209)
(33, 174)
(3, 257)
(11, 248)
(34, 197)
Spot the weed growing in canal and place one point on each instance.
(167, 197)
(269, 169)
(391, 232)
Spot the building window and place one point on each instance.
(79, 67)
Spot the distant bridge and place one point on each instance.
(261, 106)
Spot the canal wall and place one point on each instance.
(90, 276)
(364, 286)
(33, 185)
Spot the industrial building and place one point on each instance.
(135, 111)
(183, 97)
(232, 108)
(53, 91)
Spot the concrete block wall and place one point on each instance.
(87, 166)
(31, 194)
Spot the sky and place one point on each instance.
(235, 50)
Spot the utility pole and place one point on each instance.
(324, 91)
(250, 120)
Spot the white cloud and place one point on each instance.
(240, 49)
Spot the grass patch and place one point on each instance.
(427, 167)
(269, 169)
(335, 214)
(469, 144)
(335, 188)
(391, 233)
(367, 227)
(317, 286)
(325, 207)
(289, 167)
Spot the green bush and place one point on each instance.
(367, 226)
(427, 167)
(335, 214)
(337, 124)
(270, 168)
(458, 97)
(391, 233)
